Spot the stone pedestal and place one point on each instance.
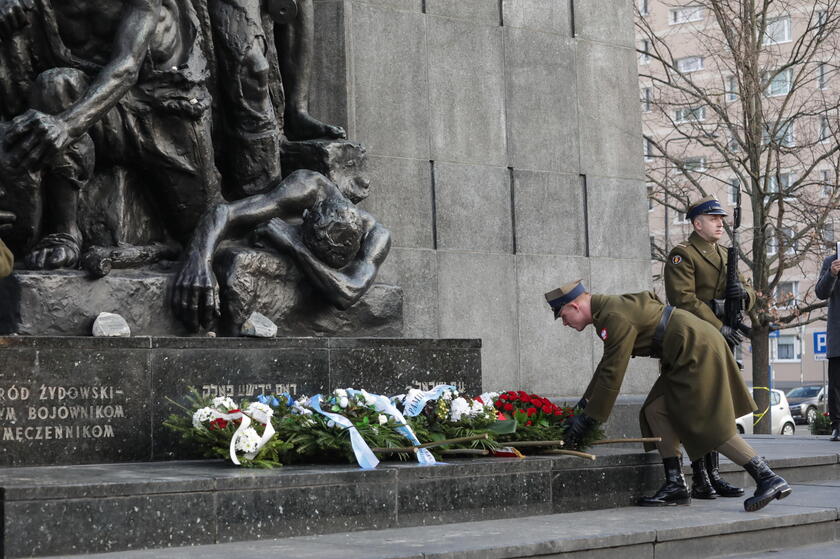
(100, 400)
(66, 302)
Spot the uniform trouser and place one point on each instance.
(834, 391)
(736, 448)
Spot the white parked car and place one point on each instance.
(780, 416)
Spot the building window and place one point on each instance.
(646, 99)
(644, 52)
(647, 149)
(785, 348)
(783, 136)
(731, 93)
(779, 84)
(732, 143)
(777, 31)
(826, 183)
(689, 64)
(686, 14)
(825, 129)
(785, 294)
(822, 19)
(828, 231)
(650, 197)
(772, 244)
(696, 164)
(788, 241)
(733, 188)
(822, 75)
(690, 114)
(681, 218)
(644, 9)
(781, 183)
(652, 247)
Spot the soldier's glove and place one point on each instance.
(736, 291)
(581, 404)
(732, 336)
(577, 428)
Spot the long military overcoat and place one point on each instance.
(700, 380)
(695, 273)
(6, 260)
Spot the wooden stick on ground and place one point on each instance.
(571, 453)
(396, 450)
(526, 444)
(632, 440)
(399, 449)
(464, 451)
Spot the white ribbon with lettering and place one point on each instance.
(258, 415)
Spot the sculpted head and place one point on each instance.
(349, 172)
(332, 230)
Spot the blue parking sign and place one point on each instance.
(820, 342)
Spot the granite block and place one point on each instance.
(394, 370)
(474, 497)
(273, 513)
(602, 488)
(551, 16)
(415, 270)
(605, 21)
(541, 102)
(330, 89)
(618, 224)
(70, 405)
(549, 213)
(477, 299)
(553, 359)
(609, 120)
(401, 200)
(466, 92)
(485, 12)
(390, 88)
(50, 527)
(66, 302)
(473, 208)
(223, 372)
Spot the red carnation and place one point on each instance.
(499, 404)
(528, 422)
(218, 423)
(531, 411)
(503, 397)
(546, 409)
(558, 412)
(537, 402)
(522, 393)
(508, 407)
(525, 399)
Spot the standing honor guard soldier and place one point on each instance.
(695, 280)
(699, 393)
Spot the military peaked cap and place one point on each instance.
(562, 295)
(705, 206)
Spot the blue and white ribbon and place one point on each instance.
(383, 405)
(416, 400)
(364, 455)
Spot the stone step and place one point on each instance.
(118, 507)
(703, 530)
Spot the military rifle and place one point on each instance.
(733, 307)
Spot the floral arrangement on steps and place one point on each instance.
(357, 426)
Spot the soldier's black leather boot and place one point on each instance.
(701, 487)
(835, 434)
(674, 492)
(768, 485)
(721, 486)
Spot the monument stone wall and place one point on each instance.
(504, 139)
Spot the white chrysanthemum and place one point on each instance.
(382, 419)
(202, 416)
(488, 397)
(299, 409)
(224, 402)
(448, 394)
(260, 412)
(369, 399)
(330, 423)
(248, 440)
(458, 408)
(343, 401)
(477, 408)
(340, 393)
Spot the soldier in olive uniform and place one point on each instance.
(696, 400)
(695, 280)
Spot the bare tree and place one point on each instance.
(752, 110)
